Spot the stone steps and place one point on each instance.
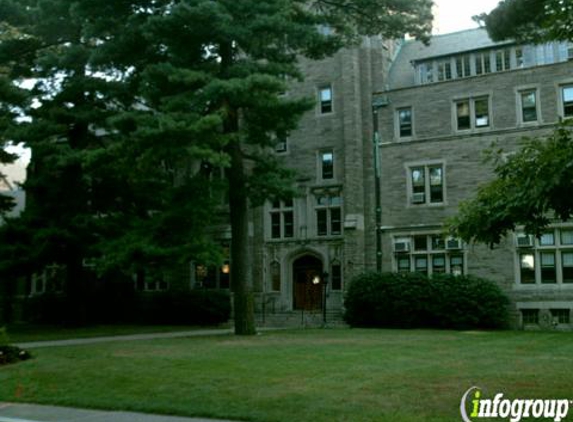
(299, 319)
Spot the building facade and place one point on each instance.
(396, 141)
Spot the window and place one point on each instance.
(519, 61)
(463, 68)
(472, 113)
(327, 165)
(567, 98)
(547, 259)
(561, 316)
(275, 276)
(528, 101)
(444, 70)
(427, 184)
(328, 215)
(325, 97)
(282, 219)
(502, 60)
(426, 72)
(336, 276)
(50, 280)
(281, 145)
(428, 254)
(527, 268)
(405, 122)
(483, 63)
(148, 282)
(530, 316)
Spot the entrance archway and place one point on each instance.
(307, 283)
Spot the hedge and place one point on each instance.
(412, 300)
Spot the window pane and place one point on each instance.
(421, 243)
(321, 222)
(482, 112)
(463, 114)
(405, 122)
(327, 159)
(325, 99)
(438, 243)
(436, 184)
(548, 273)
(421, 264)
(438, 264)
(529, 106)
(561, 316)
(567, 266)
(567, 237)
(547, 239)
(530, 316)
(335, 221)
(527, 263)
(457, 265)
(418, 177)
(403, 264)
(568, 101)
(288, 223)
(335, 200)
(275, 225)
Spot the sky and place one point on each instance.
(456, 15)
(451, 16)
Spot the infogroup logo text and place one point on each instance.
(514, 410)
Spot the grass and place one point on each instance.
(28, 333)
(312, 375)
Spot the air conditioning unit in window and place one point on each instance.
(524, 241)
(453, 243)
(418, 198)
(402, 245)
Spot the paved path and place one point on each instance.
(12, 412)
(130, 337)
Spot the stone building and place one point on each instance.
(395, 143)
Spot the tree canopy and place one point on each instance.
(141, 101)
(530, 20)
(532, 188)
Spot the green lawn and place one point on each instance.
(313, 375)
(26, 333)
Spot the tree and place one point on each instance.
(531, 189)
(530, 20)
(193, 81)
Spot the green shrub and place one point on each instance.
(413, 300)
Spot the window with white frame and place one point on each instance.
(426, 184)
(482, 63)
(404, 116)
(463, 68)
(503, 59)
(147, 282)
(429, 254)
(282, 219)
(444, 70)
(50, 280)
(325, 99)
(547, 259)
(328, 215)
(528, 105)
(567, 100)
(472, 113)
(326, 165)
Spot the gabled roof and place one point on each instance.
(402, 71)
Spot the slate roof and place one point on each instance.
(402, 72)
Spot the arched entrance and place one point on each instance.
(307, 283)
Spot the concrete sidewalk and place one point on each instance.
(15, 412)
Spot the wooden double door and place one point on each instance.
(308, 287)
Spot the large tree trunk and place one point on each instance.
(241, 274)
